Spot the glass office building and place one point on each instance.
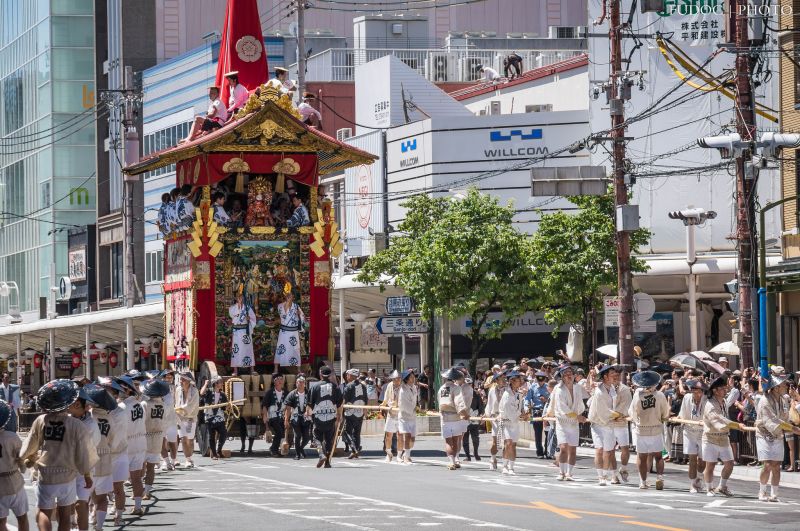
(47, 139)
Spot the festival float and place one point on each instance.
(263, 153)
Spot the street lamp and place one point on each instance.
(692, 217)
(14, 316)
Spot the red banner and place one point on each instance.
(212, 168)
(242, 47)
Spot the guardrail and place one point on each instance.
(436, 65)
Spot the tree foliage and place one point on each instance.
(460, 257)
(576, 259)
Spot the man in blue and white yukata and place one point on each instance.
(244, 318)
(288, 352)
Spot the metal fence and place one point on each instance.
(436, 65)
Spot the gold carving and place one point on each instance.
(262, 230)
(235, 165)
(283, 168)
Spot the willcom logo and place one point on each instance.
(408, 145)
(499, 136)
(79, 195)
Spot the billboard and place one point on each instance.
(364, 188)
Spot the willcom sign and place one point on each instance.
(516, 136)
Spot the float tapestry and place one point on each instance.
(263, 268)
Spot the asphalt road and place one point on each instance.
(259, 492)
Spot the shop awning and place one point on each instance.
(108, 326)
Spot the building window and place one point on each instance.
(154, 268)
(163, 139)
(12, 102)
(117, 274)
(544, 107)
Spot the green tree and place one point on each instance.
(460, 257)
(576, 260)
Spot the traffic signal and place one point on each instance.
(732, 288)
(729, 145)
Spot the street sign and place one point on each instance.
(402, 305)
(611, 307)
(401, 325)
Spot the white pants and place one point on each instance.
(692, 444)
(407, 426)
(649, 444)
(120, 470)
(567, 434)
(14, 503)
(391, 425)
(451, 429)
(603, 438)
(186, 428)
(171, 433)
(712, 452)
(103, 484)
(60, 494)
(622, 435)
(510, 431)
(769, 450)
(136, 461)
(82, 493)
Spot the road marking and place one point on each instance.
(364, 499)
(670, 508)
(292, 512)
(572, 514)
(654, 526)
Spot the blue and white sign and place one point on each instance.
(522, 134)
(402, 305)
(401, 325)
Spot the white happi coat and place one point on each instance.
(288, 352)
(244, 318)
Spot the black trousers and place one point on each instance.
(538, 429)
(301, 427)
(352, 432)
(324, 434)
(514, 63)
(276, 427)
(473, 432)
(243, 433)
(216, 437)
(210, 125)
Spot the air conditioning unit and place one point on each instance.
(494, 108)
(441, 67)
(564, 32)
(468, 68)
(344, 133)
(544, 107)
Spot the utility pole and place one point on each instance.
(617, 109)
(131, 154)
(745, 199)
(301, 48)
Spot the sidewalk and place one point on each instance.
(743, 473)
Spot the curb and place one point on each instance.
(742, 473)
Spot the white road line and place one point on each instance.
(292, 512)
(365, 499)
(670, 508)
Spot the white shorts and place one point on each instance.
(464, 426)
(711, 453)
(649, 444)
(451, 429)
(692, 444)
(407, 426)
(769, 450)
(567, 434)
(52, 496)
(82, 493)
(511, 431)
(494, 428)
(622, 435)
(186, 428)
(120, 470)
(391, 425)
(103, 484)
(136, 461)
(171, 433)
(152, 458)
(14, 503)
(604, 438)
